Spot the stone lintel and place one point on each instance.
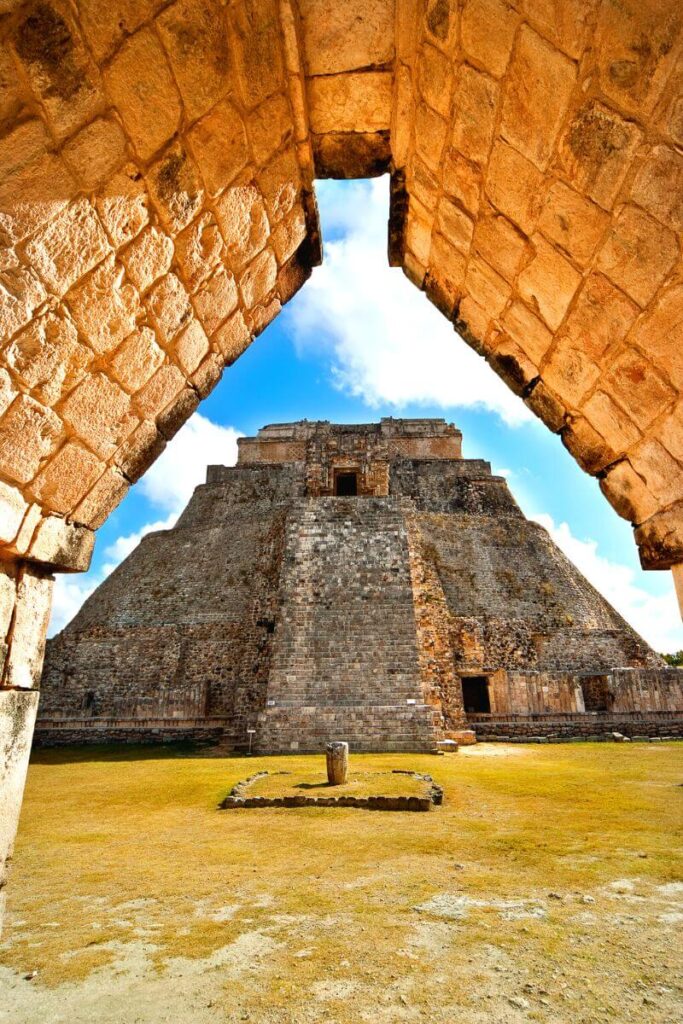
(56, 544)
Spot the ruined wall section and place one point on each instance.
(538, 170)
(183, 628)
(155, 213)
(516, 601)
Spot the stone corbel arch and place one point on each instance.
(157, 210)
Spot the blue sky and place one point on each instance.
(360, 342)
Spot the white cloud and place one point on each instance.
(655, 617)
(68, 595)
(389, 343)
(168, 485)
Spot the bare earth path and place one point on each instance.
(547, 888)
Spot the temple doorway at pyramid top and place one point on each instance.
(157, 209)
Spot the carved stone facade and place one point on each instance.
(363, 583)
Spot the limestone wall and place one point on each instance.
(537, 201)
(154, 195)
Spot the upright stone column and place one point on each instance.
(25, 598)
(337, 763)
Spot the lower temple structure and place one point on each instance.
(362, 583)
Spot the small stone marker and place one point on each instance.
(337, 763)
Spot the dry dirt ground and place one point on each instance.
(546, 888)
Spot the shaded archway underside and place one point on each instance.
(157, 210)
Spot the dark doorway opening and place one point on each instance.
(475, 695)
(346, 485)
(596, 693)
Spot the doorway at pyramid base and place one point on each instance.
(361, 583)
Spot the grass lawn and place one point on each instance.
(546, 888)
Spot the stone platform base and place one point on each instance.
(367, 729)
(74, 732)
(578, 726)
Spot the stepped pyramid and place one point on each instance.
(358, 582)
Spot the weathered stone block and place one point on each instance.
(191, 346)
(99, 413)
(634, 382)
(195, 35)
(661, 473)
(105, 307)
(106, 25)
(611, 422)
(31, 616)
(638, 254)
(596, 150)
(487, 30)
(96, 153)
(258, 279)
(657, 332)
(538, 87)
(123, 205)
(356, 102)
(627, 493)
(232, 338)
(219, 145)
(500, 243)
(61, 546)
(330, 47)
(258, 53)
(164, 386)
(490, 291)
(68, 247)
(169, 306)
(431, 132)
(66, 478)
(435, 78)
(462, 181)
(148, 258)
(24, 145)
(28, 434)
(137, 359)
(268, 128)
(59, 68)
(139, 451)
(110, 489)
(12, 509)
(455, 225)
(17, 717)
(47, 358)
(176, 187)
(514, 186)
(140, 83)
(199, 249)
(548, 283)
(528, 331)
(576, 224)
(475, 105)
(216, 299)
(243, 222)
(21, 292)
